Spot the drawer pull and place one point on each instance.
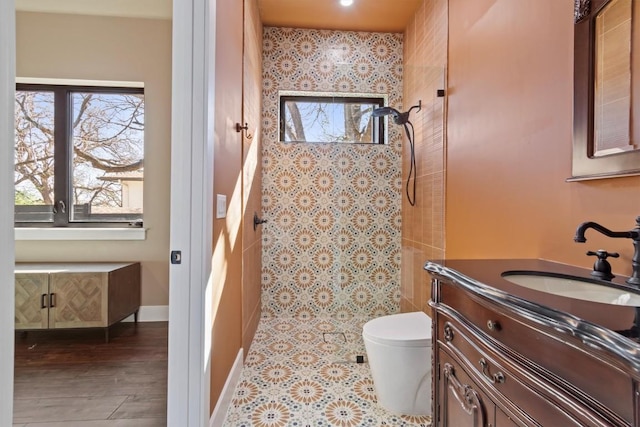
(493, 325)
(52, 299)
(498, 377)
(448, 333)
(43, 301)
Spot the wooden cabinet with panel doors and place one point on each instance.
(75, 295)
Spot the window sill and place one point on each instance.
(80, 233)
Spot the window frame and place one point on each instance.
(63, 156)
(340, 98)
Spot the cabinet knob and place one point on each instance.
(493, 325)
(448, 333)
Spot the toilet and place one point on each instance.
(399, 352)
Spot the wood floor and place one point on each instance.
(74, 379)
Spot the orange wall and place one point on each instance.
(425, 56)
(251, 172)
(227, 232)
(237, 248)
(509, 140)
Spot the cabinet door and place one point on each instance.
(78, 300)
(463, 402)
(32, 296)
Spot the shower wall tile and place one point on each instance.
(423, 239)
(332, 243)
(413, 289)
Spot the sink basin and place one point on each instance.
(575, 287)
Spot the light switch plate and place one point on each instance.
(221, 206)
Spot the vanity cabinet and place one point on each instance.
(502, 361)
(75, 295)
(464, 402)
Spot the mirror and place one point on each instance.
(606, 100)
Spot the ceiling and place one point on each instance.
(363, 15)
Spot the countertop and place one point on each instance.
(488, 272)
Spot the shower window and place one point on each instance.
(343, 119)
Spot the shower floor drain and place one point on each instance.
(334, 337)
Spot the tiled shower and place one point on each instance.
(332, 247)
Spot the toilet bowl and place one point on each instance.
(399, 352)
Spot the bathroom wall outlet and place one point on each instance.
(221, 206)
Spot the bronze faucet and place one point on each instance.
(634, 234)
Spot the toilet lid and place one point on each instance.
(400, 330)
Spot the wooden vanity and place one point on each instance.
(505, 355)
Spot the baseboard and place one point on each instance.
(151, 313)
(220, 411)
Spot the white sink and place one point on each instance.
(575, 287)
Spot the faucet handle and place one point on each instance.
(602, 254)
(602, 268)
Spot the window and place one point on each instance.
(79, 155)
(331, 119)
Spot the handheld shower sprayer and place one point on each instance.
(398, 117)
(403, 119)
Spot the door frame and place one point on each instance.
(189, 372)
(7, 235)
(191, 210)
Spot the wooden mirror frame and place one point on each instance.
(585, 166)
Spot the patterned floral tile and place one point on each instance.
(332, 244)
(303, 373)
